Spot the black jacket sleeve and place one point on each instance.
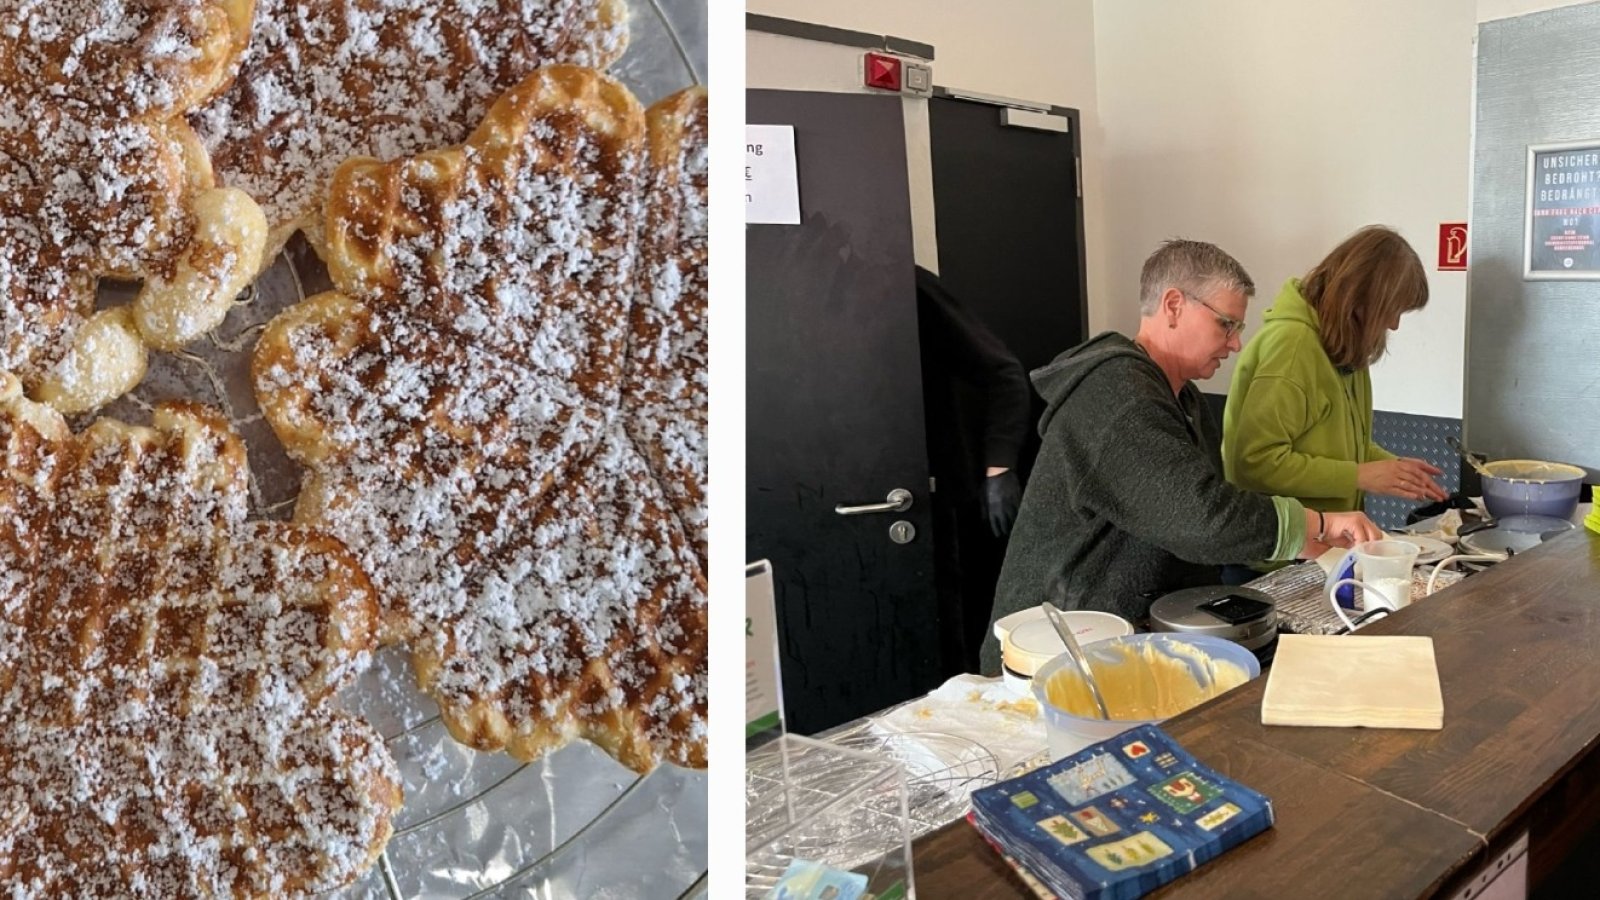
(982, 360)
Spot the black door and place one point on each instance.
(1010, 227)
(1010, 224)
(834, 415)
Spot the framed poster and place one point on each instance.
(1561, 231)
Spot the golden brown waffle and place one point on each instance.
(665, 395)
(327, 80)
(481, 405)
(166, 670)
(101, 176)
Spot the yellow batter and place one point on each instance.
(1144, 682)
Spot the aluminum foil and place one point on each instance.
(574, 824)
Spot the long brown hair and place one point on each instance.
(1369, 279)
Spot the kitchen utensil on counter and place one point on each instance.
(1243, 615)
(1476, 460)
(1028, 640)
(1064, 629)
(1184, 669)
(1531, 487)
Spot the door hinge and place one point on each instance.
(1077, 170)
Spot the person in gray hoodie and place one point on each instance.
(1128, 500)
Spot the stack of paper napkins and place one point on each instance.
(1118, 819)
(1379, 681)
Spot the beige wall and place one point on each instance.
(1274, 130)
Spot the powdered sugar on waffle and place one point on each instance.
(326, 81)
(460, 406)
(666, 397)
(165, 669)
(127, 59)
(96, 175)
(78, 194)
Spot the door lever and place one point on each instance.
(899, 500)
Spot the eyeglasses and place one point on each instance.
(1230, 326)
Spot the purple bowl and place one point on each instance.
(1523, 487)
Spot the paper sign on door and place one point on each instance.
(771, 184)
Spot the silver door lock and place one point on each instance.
(902, 532)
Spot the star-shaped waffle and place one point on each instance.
(502, 408)
(328, 80)
(100, 176)
(166, 670)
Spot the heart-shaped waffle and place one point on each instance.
(484, 403)
(100, 176)
(166, 672)
(326, 81)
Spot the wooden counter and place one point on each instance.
(1397, 813)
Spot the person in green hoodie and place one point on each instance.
(1128, 499)
(1298, 420)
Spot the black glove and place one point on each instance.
(1002, 494)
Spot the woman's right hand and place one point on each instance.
(1409, 479)
(1346, 529)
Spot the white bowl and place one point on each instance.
(1029, 641)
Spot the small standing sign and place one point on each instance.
(771, 185)
(763, 694)
(1562, 222)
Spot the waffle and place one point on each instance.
(166, 670)
(100, 176)
(329, 80)
(665, 390)
(482, 405)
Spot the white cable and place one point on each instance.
(1379, 601)
(1461, 557)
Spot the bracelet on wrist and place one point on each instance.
(1322, 527)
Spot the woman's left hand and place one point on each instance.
(1407, 478)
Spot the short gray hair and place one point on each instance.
(1194, 267)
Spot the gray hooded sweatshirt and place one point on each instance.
(1127, 500)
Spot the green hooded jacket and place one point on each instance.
(1295, 425)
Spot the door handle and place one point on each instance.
(899, 500)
